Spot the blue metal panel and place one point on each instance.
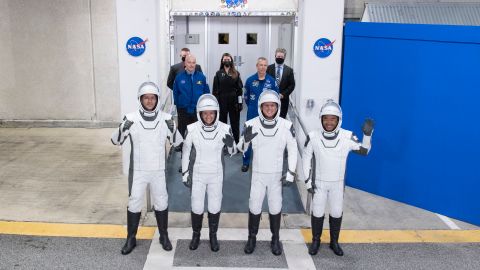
(421, 83)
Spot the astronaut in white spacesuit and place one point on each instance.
(330, 147)
(202, 166)
(269, 135)
(148, 129)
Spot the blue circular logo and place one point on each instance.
(323, 47)
(136, 46)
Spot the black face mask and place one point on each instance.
(227, 63)
(183, 58)
(279, 60)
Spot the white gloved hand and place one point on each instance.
(187, 179)
(309, 186)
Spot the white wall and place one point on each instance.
(196, 26)
(281, 35)
(58, 60)
(317, 78)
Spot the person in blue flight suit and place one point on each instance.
(189, 85)
(254, 86)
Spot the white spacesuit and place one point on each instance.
(270, 137)
(202, 167)
(148, 131)
(330, 149)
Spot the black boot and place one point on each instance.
(317, 227)
(197, 227)
(275, 244)
(335, 224)
(132, 225)
(213, 220)
(162, 223)
(253, 224)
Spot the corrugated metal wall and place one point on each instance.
(425, 13)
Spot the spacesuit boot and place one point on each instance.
(132, 225)
(162, 223)
(213, 220)
(275, 244)
(197, 227)
(317, 227)
(335, 224)
(253, 224)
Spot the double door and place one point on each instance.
(245, 38)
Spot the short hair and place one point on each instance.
(185, 50)
(191, 56)
(281, 50)
(261, 58)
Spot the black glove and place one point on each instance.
(170, 124)
(367, 127)
(228, 140)
(311, 191)
(239, 107)
(127, 125)
(247, 135)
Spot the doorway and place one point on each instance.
(245, 38)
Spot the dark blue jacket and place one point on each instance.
(188, 88)
(253, 88)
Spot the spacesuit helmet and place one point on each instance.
(331, 108)
(148, 88)
(268, 96)
(208, 102)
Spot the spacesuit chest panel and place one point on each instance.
(209, 147)
(331, 157)
(148, 139)
(268, 147)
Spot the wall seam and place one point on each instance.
(95, 116)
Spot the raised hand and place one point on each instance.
(248, 135)
(127, 125)
(368, 126)
(228, 140)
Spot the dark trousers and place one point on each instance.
(228, 108)
(185, 119)
(284, 106)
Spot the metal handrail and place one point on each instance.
(295, 113)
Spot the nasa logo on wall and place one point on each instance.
(136, 46)
(323, 47)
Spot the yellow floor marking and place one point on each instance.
(72, 230)
(400, 236)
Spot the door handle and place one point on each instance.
(240, 63)
(235, 60)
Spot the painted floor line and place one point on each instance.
(346, 236)
(400, 236)
(72, 230)
(452, 225)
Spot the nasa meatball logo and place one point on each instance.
(323, 47)
(136, 46)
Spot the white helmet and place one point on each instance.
(331, 108)
(148, 88)
(268, 96)
(208, 102)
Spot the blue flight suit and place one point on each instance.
(253, 88)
